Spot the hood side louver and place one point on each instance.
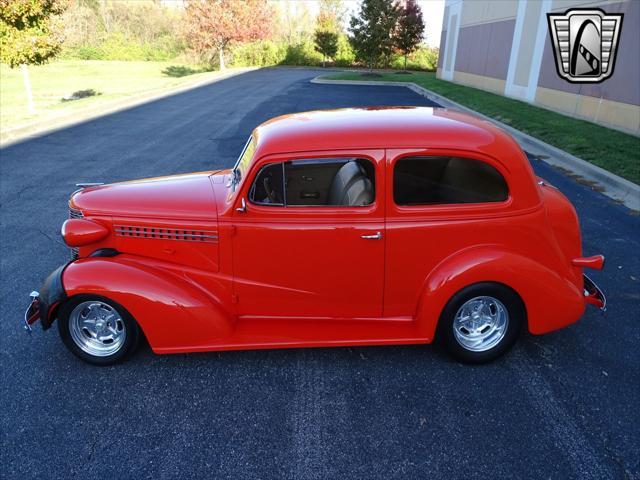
(206, 236)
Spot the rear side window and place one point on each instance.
(446, 180)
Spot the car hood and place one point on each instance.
(187, 196)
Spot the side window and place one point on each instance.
(446, 180)
(316, 182)
(267, 188)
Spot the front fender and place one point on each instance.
(52, 294)
(172, 312)
(551, 300)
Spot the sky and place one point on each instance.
(432, 13)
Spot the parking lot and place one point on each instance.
(560, 406)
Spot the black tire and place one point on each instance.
(516, 319)
(128, 346)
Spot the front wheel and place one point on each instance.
(97, 329)
(481, 322)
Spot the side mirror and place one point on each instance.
(243, 206)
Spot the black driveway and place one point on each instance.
(560, 406)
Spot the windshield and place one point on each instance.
(243, 161)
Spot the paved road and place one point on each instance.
(560, 406)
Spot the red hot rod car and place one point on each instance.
(346, 227)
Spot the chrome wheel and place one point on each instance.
(480, 323)
(97, 328)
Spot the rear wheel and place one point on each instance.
(97, 329)
(481, 322)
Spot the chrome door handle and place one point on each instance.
(377, 236)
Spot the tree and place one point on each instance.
(29, 35)
(408, 35)
(372, 30)
(295, 21)
(330, 16)
(328, 28)
(326, 43)
(213, 24)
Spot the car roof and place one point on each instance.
(380, 127)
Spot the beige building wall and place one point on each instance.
(527, 43)
(504, 47)
(486, 11)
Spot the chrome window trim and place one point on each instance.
(235, 181)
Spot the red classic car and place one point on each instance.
(370, 226)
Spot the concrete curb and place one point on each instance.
(50, 125)
(611, 185)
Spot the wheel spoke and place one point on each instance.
(97, 328)
(480, 323)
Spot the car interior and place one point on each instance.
(446, 180)
(316, 182)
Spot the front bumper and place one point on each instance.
(44, 303)
(593, 295)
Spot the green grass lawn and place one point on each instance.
(111, 80)
(610, 149)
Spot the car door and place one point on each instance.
(297, 258)
(439, 202)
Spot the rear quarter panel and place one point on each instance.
(434, 251)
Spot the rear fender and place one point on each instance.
(551, 301)
(171, 311)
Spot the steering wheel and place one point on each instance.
(271, 193)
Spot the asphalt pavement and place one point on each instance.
(559, 406)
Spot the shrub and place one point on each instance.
(83, 52)
(117, 46)
(423, 58)
(261, 53)
(302, 53)
(178, 71)
(140, 30)
(345, 57)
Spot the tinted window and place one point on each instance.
(446, 180)
(268, 188)
(316, 182)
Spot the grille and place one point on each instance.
(166, 233)
(73, 213)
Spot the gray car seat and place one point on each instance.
(350, 186)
